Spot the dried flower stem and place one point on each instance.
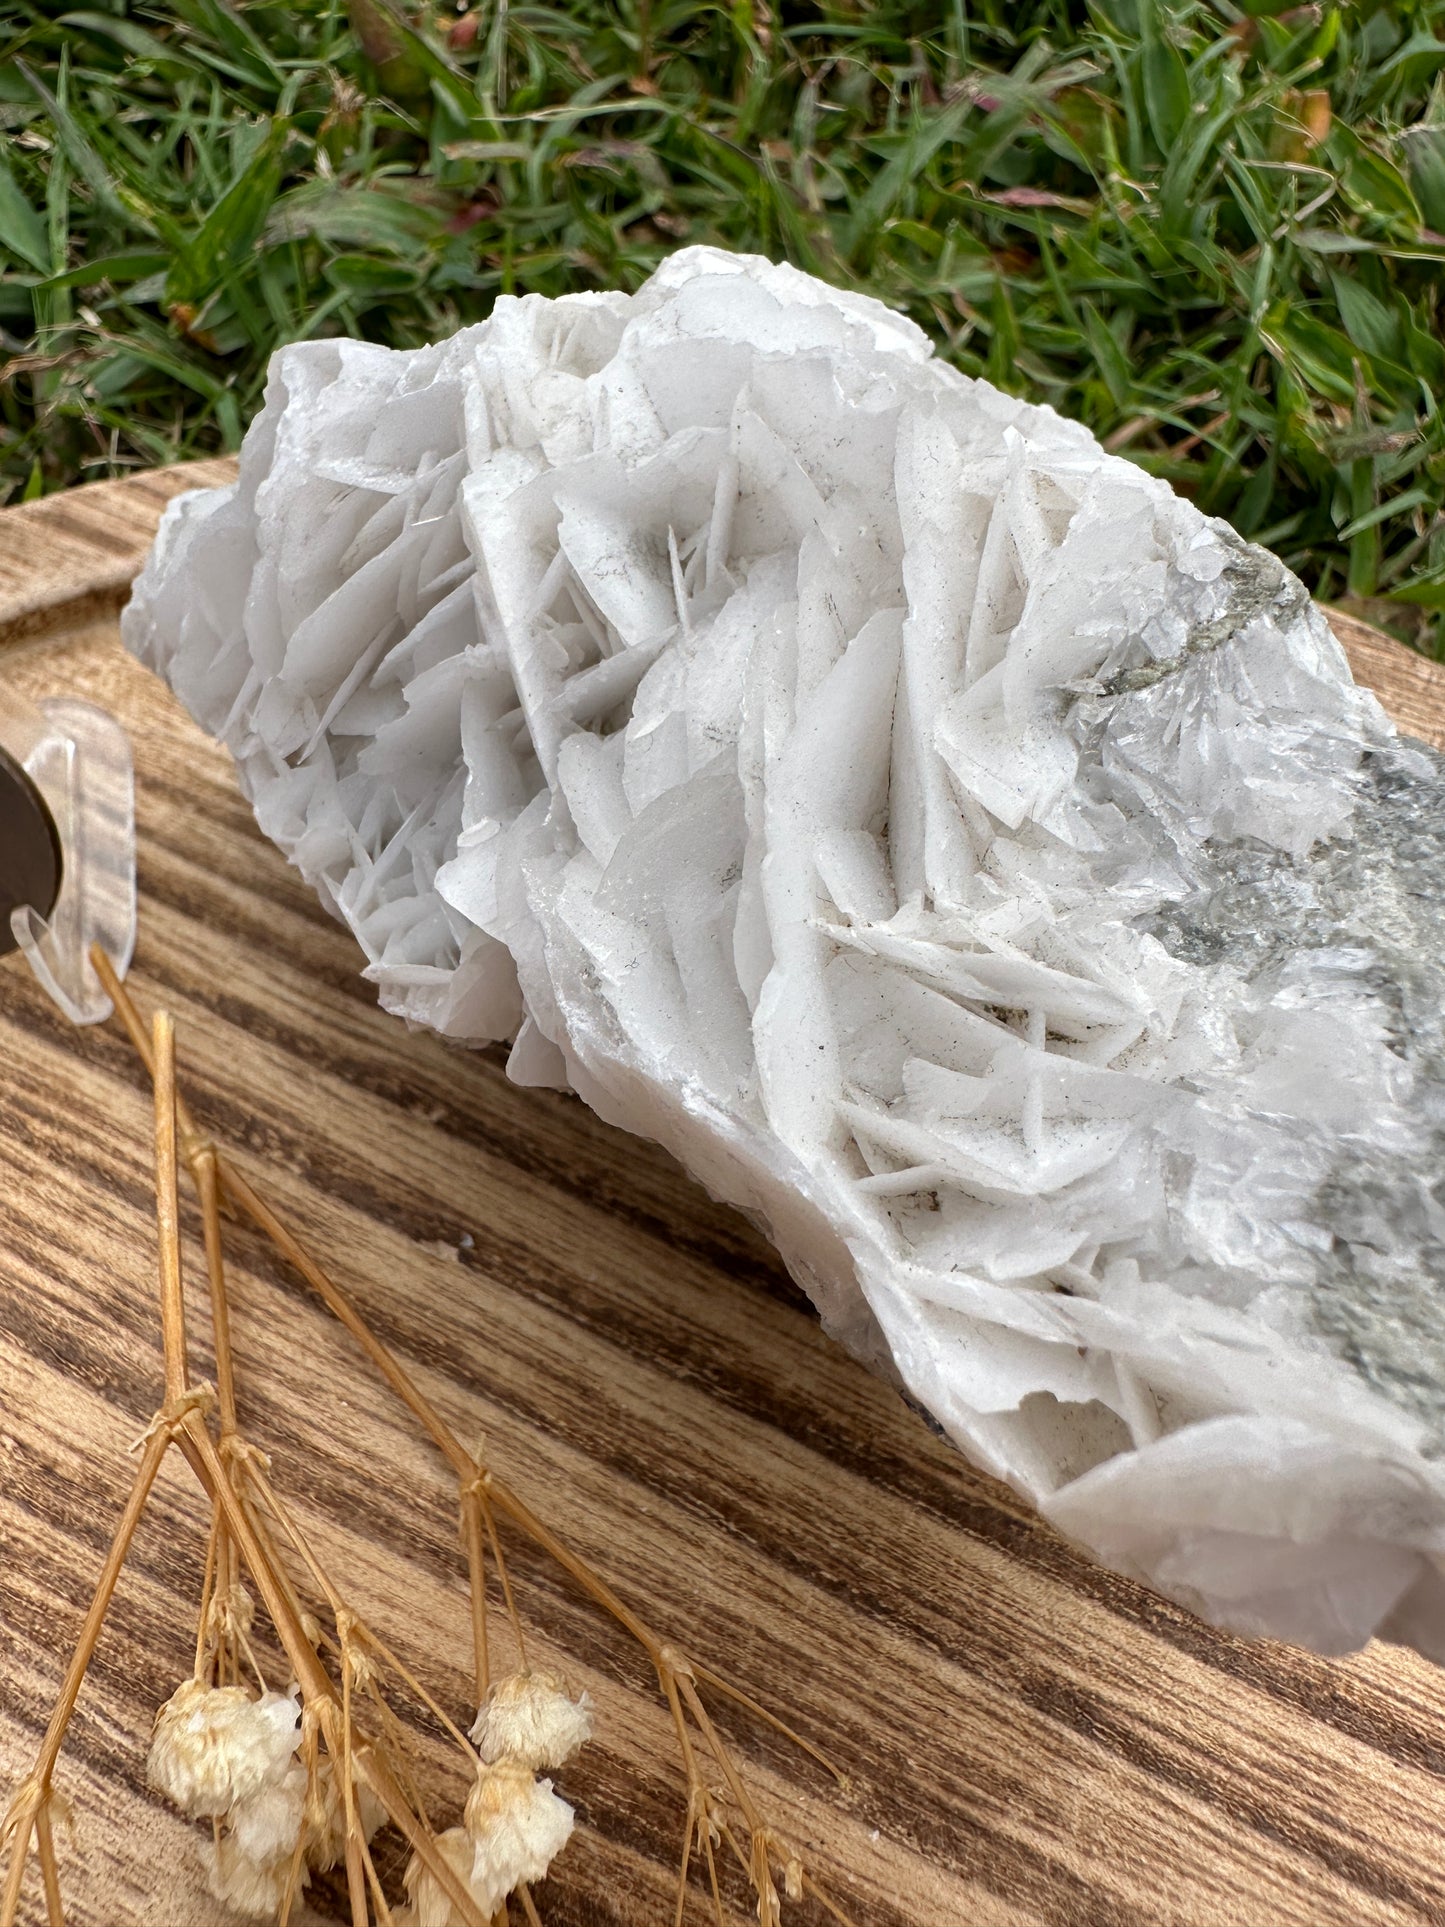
(207, 1181)
(674, 1670)
(316, 1686)
(712, 1877)
(173, 1315)
(49, 1872)
(355, 1869)
(29, 1814)
(721, 1684)
(414, 1685)
(33, 1796)
(825, 1901)
(181, 1421)
(208, 1580)
(224, 1574)
(525, 1896)
(236, 1531)
(477, 1589)
(394, 1734)
(351, 1629)
(173, 1304)
(384, 1915)
(202, 1163)
(477, 1490)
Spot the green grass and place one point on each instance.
(1218, 239)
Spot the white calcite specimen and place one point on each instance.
(962, 854)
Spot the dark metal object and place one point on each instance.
(31, 862)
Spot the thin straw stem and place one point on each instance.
(477, 1588)
(384, 1915)
(150, 1465)
(258, 1555)
(500, 1563)
(173, 1311)
(824, 1900)
(394, 1734)
(378, 1777)
(351, 1825)
(486, 1491)
(534, 1919)
(49, 1872)
(725, 1686)
(335, 1299)
(207, 1180)
(22, 1827)
(208, 1583)
(720, 1753)
(242, 1478)
(216, 1480)
(315, 1685)
(712, 1878)
(34, 1795)
(364, 1636)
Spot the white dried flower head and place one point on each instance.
(326, 1817)
(531, 1718)
(267, 1824)
(518, 1826)
(214, 1745)
(431, 1904)
(254, 1887)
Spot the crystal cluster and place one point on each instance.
(965, 856)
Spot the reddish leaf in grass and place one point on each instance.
(481, 207)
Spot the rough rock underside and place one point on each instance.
(961, 853)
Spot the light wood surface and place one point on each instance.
(70, 558)
(1029, 1739)
(1411, 687)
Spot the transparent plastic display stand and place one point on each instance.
(67, 846)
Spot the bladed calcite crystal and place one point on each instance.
(965, 856)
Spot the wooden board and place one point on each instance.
(1030, 1739)
(70, 558)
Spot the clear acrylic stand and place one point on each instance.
(75, 759)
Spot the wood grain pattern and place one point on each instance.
(1411, 687)
(70, 558)
(1030, 1740)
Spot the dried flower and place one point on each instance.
(255, 1887)
(326, 1818)
(361, 1667)
(266, 1825)
(214, 1745)
(431, 1906)
(232, 1613)
(517, 1825)
(230, 1754)
(530, 1718)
